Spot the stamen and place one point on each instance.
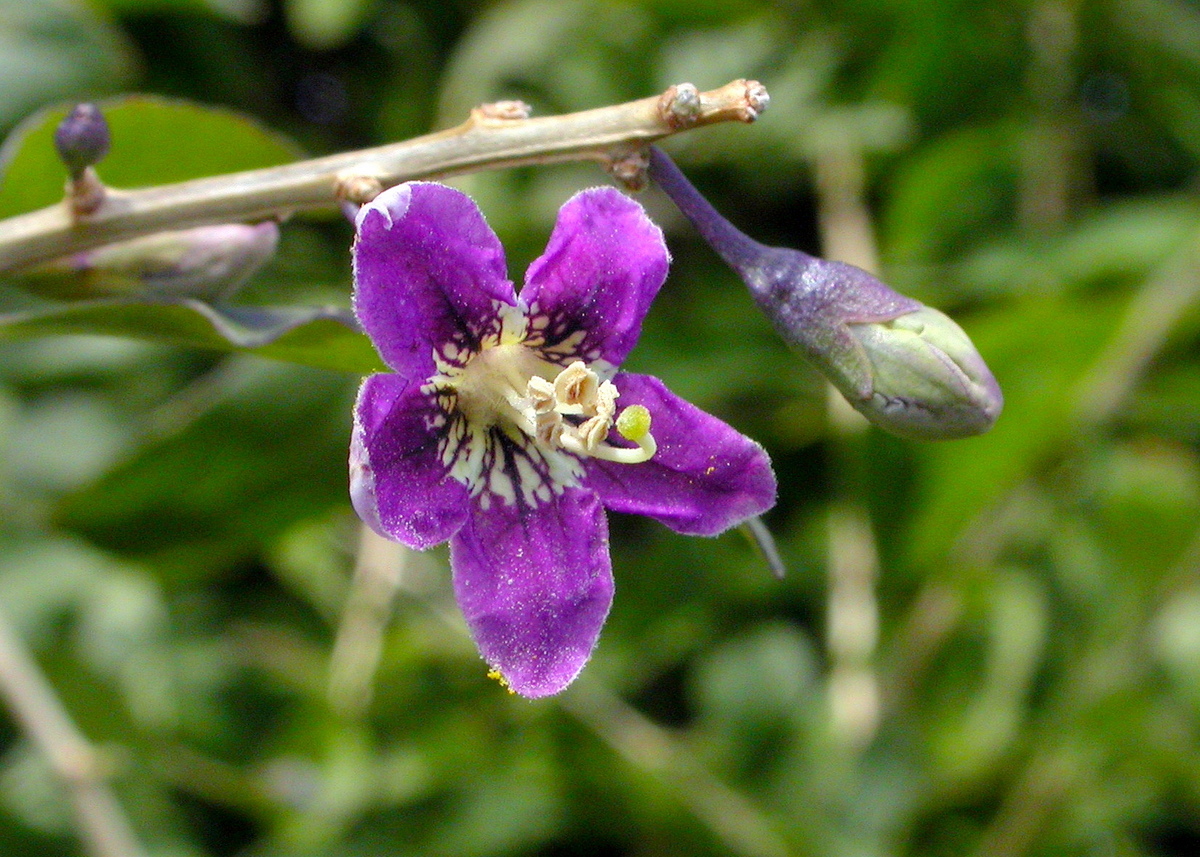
(606, 400)
(541, 395)
(593, 431)
(633, 424)
(577, 385)
(523, 413)
(501, 386)
(549, 427)
(644, 451)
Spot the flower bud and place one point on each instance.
(906, 367)
(927, 381)
(207, 262)
(82, 138)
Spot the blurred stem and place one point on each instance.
(853, 564)
(37, 709)
(1151, 316)
(218, 782)
(939, 607)
(842, 214)
(737, 823)
(1050, 163)
(359, 644)
(494, 136)
(1035, 795)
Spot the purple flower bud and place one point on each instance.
(208, 262)
(82, 138)
(906, 367)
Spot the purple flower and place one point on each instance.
(499, 427)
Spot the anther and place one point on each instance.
(577, 385)
(541, 395)
(548, 427)
(593, 431)
(606, 400)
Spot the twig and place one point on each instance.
(37, 709)
(489, 139)
(852, 624)
(1150, 319)
(1052, 160)
(738, 823)
(359, 643)
(1036, 794)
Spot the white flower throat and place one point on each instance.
(511, 387)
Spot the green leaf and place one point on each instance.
(242, 11)
(324, 337)
(154, 141)
(49, 50)
(325, 24)
(1040, 349)
(269, 450)
(951, 194)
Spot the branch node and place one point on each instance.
(85, 194)
(500, 111)
(681, 106)
(357, 187)
(739, 101)
(629, 166)
(757, 100)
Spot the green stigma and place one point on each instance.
(634, 423)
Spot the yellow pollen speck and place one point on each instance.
(634, 423)
(496, 676)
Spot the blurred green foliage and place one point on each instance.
(177, 549)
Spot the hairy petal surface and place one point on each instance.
(398, 483)
(705, 477)
(603, 266)
(428, 271)
(535, 585)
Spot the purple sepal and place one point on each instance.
(705, 477)
(398, 483)
(535, 585)
(603, 266)
(428, 271)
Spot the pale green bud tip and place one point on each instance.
(634, 423)
(927, 381)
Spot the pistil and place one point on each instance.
(508, 385)
(577, 390)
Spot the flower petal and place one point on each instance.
(398, 483)
(428, 272)
(588, 293)
(705, 476)
(535, 585)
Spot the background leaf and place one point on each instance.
(325, 337)
(155, 141)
